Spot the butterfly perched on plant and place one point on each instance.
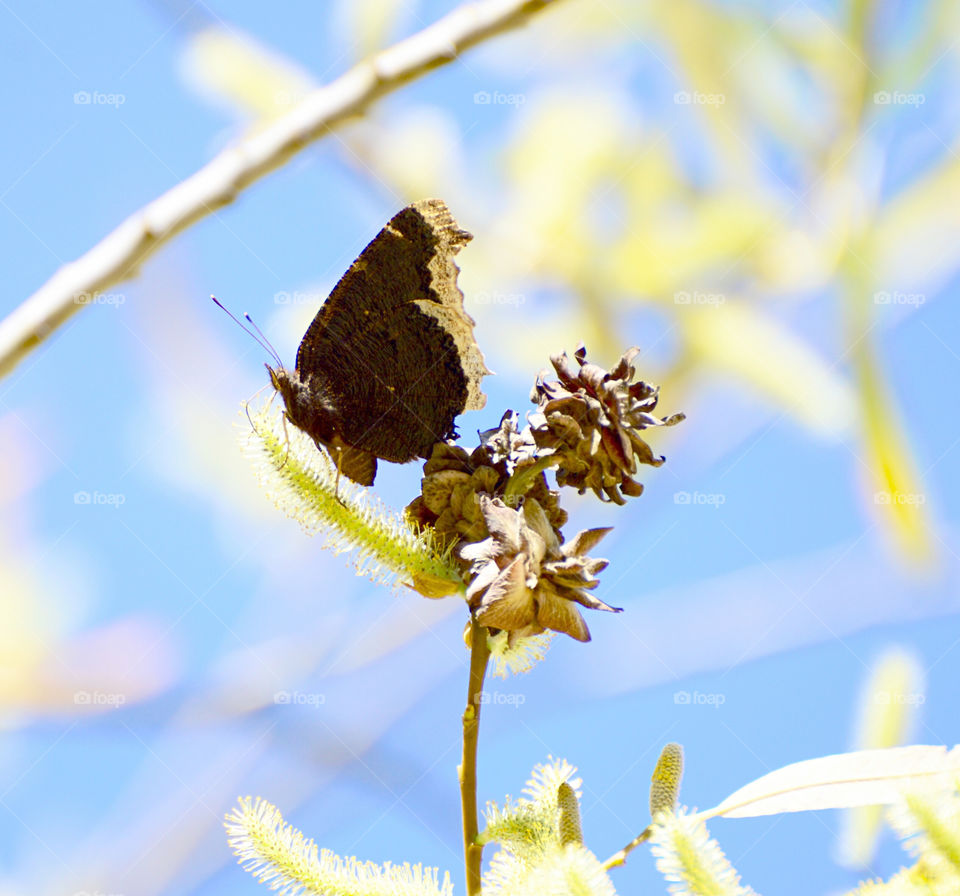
(390, 360)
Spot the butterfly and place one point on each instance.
(390, 360)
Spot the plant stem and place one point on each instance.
(618, 858)
(472, 851)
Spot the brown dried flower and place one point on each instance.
(524, 580)
(494, 509)
(592, 420)
(517, 451)
(509, 445)
(449, 503)
(453, 482)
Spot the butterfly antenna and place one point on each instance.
(263, 338)
(255, 333)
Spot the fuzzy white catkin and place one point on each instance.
(280, 856)
(303, 483)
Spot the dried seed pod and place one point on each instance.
(592, 420)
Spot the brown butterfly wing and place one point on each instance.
(392, 349)
(354, 463)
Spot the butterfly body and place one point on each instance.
(306, 408)
(390, 360)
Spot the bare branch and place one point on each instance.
(119, 255)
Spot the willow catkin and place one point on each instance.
(570, 829)
(665, 782)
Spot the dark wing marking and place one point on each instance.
(393, 342)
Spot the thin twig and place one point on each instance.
(619, 858)
(472, 851)
(119, 255)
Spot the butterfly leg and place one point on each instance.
(336, 482)
(286, 437)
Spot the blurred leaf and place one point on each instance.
(891, 696)
(806, 250)
(909, 62)
(97, 671)
(580, 130)
(236, 70)
(815, 61)
(708, 42)
(738, 339)
(26, 639)
(861, 778)
(370, 23)
(893, 482)
(914, 241)
(671, 246)
(417, 151)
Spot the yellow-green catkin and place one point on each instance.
(665, 782)
(279, 856)
(939, 842)
(303, 482)
(570, 828)
(690, 860)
